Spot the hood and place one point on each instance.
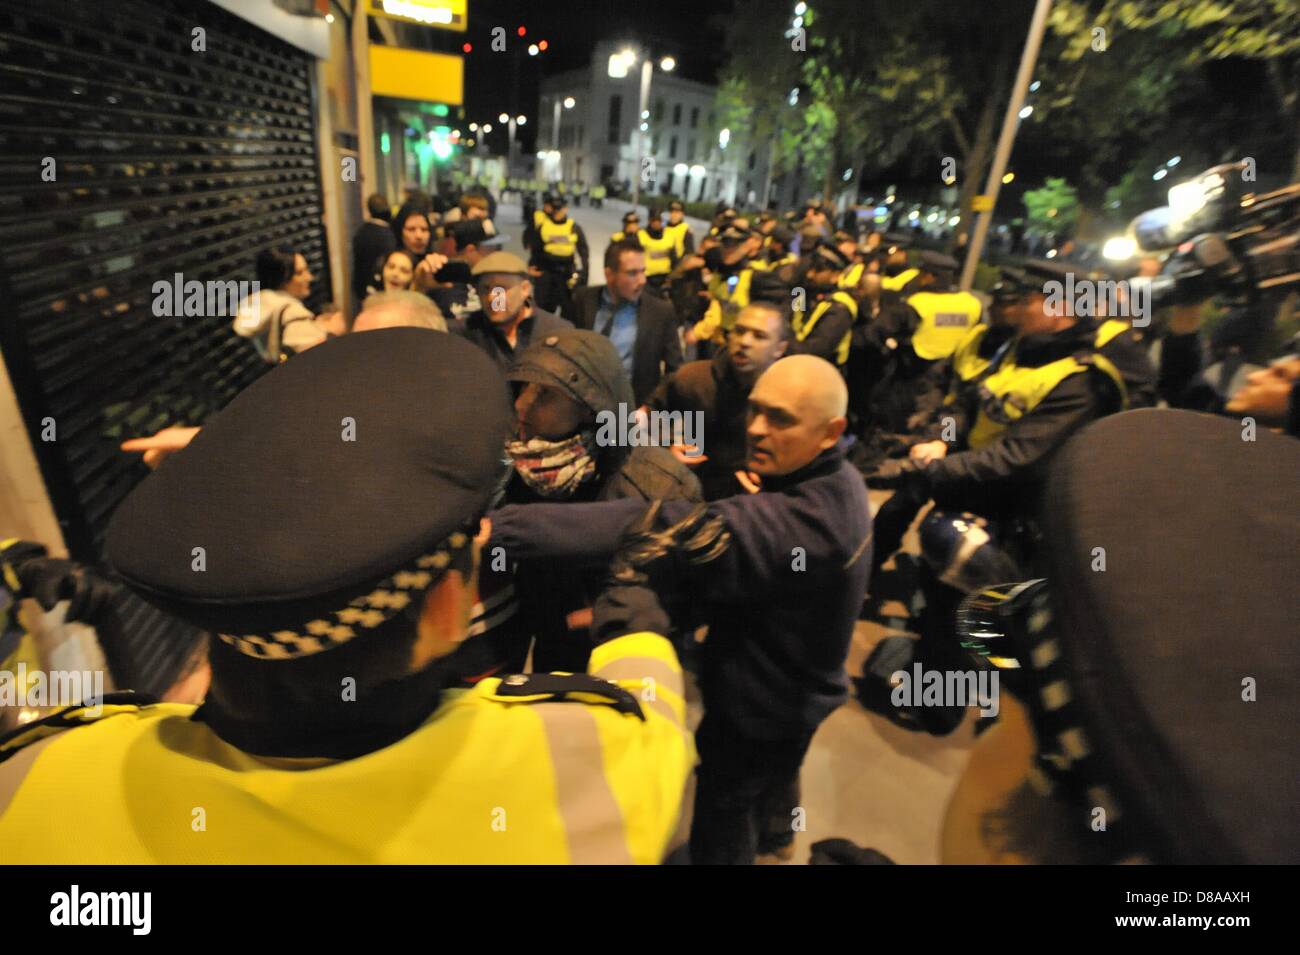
(584, 364)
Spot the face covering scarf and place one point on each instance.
(554, 468)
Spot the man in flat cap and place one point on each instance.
(510, 318)
(322, 528)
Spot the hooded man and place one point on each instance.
(568, 386)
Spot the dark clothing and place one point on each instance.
(780, 603)
(658, 349)
(549, 590)
(1004, 477)
(711, 387)
(373, 241)
(746, 793)
(553, 291)
(457, 298)
(479, 329)
(827, 335)
(1128, 353)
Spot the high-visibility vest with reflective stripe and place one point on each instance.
(946, 317)
(558, 238)
(538, 218)
(731, 296)
(620, 236)
(678, 232)
(658, 252)
(1010, 392)
(895, 283)
(967, 362)
(803, 323)
(851, 277)
(487, 778)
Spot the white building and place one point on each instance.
(600, 137)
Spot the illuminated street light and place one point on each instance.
(487, 127)
(503, 118)
(667, 64)
(680, 169)
(520, 120)
(1026, 112)
(1174, 162)
(724, 137)
(1160, 174)
(800, 9)
(532, 49)
(473, 127)
(644, 127)
(645, 114)
(1033, 87)
(1008, 178)
(569, 102)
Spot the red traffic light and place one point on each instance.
(468, 47)
(522, 31)
(541, 45)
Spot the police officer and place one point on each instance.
(894, 268)
(680, 229)
(660, 252)
(823, 324)
(1044, 384)
(337, 580)
(631, 227)
(559, 258)
(776, 254)
(730, 275)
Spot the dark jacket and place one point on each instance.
(480, 330)
(1004, 478)
(780, 603)
(658, 349)
(588, 368)
(711, 387)
(373, 241)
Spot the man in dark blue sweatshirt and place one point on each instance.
(780, 603)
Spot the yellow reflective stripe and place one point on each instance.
(1105, 364)
(896, 283)
(593, 822)
(1108, 331)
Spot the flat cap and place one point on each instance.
(583, 364)
(500, 263)
(367, 456)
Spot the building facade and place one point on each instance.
(675, 142)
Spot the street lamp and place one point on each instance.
(619, 65)
(667, 64)
(504, 118)
(570, 102)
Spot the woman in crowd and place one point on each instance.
(393, 272)
(274, 317)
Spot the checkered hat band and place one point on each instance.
(390, 597)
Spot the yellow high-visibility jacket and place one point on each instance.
(487, 778)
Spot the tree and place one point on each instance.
(1053, 208)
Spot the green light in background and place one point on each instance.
(384, 144)
(439, 110)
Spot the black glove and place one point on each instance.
(648, 563)
(48, 580)
(893, 473)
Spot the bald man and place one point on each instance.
(780, 603)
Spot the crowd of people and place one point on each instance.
(514, 596)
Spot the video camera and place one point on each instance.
(1226, 241)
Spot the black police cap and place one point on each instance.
(363, 458)
(1142, 676)
(937, 262)
(767, 286)
(826, 255)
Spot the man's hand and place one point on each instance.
(430, 265)
(927, 451)
(750, 481)
(688, 454)
(689, 337)
(165, 442)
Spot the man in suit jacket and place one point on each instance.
(643, 328)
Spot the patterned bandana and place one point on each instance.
(554, 468)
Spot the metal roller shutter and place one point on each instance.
(167, 160)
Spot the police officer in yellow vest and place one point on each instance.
(333, 731)
(1045, 383)
(631, 227)
(680, 229)
(823, 323)
(776, 255)
(660, 252)
(731, 271)
(559, 259)
(895, 272)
